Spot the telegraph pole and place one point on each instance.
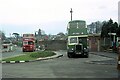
(71, 13)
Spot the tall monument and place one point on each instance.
(119, 12)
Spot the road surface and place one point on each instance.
(62, 67)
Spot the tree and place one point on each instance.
(35, 34)
(110, 21)
(16, 36)
(2, 35)
(109, 27)
(105, 30)
(114, 27)
(39, 32)
(61, 36)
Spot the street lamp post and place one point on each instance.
(71, 13)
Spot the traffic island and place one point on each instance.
(32, 56)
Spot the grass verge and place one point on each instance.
(30, 56)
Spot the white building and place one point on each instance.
(94, 27)
(119, 12)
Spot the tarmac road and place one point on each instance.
(17, 52)
(62, 67)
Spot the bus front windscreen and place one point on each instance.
(73, 40)
(30, 42)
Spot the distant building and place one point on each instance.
(94, 27)
(91, 28)
(119, 12)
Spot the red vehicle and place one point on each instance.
(28, 42)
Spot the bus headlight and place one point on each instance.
(72, 49)
(84, 48)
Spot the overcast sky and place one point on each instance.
(52, 16)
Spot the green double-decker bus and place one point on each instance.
(77, 39)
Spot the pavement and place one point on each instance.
(106, 54)
(111, 56)
(38, 59)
